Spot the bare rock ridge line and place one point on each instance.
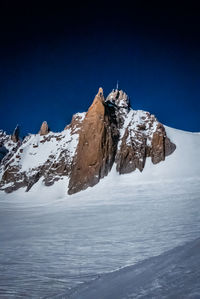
(110, 134)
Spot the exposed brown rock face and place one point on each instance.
(161, 145)
(169, 146)
(110, 132)
(144, 137)
(158, 145)
(96, 148)
(44, 130)
(132, 154)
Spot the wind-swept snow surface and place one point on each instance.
(174, 274)
(51, 242)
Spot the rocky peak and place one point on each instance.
(97, 107)
(110, 134)
(15, 135)
(121, 102)
(96, 148)
(44, 129)
(119, 98)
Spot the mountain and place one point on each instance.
(110, 134)
(72, 241)
(81, 244)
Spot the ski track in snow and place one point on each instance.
(51, 242)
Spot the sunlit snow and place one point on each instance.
(51, 242)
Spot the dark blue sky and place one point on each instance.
(54, 58)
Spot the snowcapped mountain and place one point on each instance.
(146, 202)
(110, 135)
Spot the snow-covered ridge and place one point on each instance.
(35, 151)
(131, 217)
(40, 155)
(51, 155)
(111, 133)
(139, 120)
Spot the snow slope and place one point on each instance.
(52, 242)
(174, 274)
(35, 152)
(184, 163)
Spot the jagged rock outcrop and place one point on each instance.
(110, 134)
(44, 129)
(131, 153)
(47, 157)
(169, 146)
(121, 102)
(96, 148)
(15, 135)
(144, 137)
(161, 145)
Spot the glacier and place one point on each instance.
(56, 245)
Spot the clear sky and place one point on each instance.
(53, 59)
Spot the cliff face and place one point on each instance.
(110, 134)
(143, 137)
(97, 146)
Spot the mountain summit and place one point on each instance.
(110, 134)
